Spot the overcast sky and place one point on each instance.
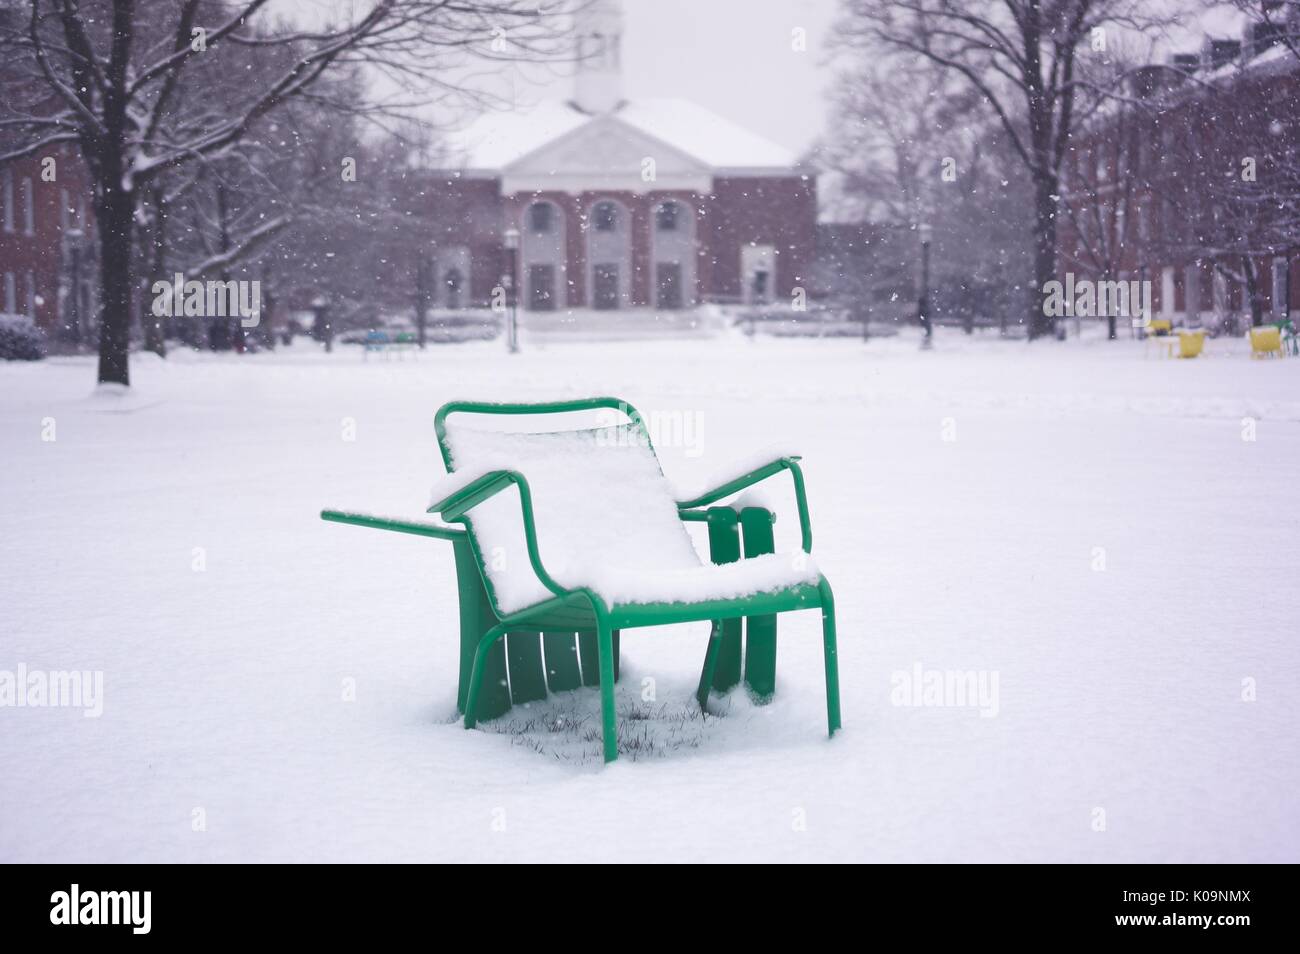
(736, 58)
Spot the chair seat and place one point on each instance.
(573, 612)
(706, 582)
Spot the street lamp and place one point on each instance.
(508, 283)
(923, 305)
(322, 327)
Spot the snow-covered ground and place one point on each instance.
(1088, 532)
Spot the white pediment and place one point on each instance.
(606, 154)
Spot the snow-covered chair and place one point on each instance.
(592, 542)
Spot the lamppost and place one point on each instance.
(322, 327)
(508, 283)
(423, 295)
(923, 305)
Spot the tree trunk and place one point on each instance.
(267, 326)
(1253, 291)
(1044, 253)
(115, 211)
(154, 333)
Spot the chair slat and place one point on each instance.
(527, 679)
(562, 672)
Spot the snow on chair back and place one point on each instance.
(599, 499)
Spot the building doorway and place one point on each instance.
(758, 273)
(541, 287)
(605, 286)
(668, 285)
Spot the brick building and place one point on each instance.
(46, 223)
(1193, 183)
(46, 231)
(617, 203)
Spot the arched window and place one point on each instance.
(609, 256)
(666, 216)
(543, 259)
(673, 255)
(541, 218)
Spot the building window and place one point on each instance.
(541, 218)
(605, 217)
(29, 207)
(11, 294)
(666, 216)
(30, 310)
(7, 198)
(541, 287)
(605, 286)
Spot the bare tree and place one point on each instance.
(1273, 21)
(107, 76)
(1023, 58)
(914, 144)
(1235, 201)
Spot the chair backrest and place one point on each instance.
(599, 496)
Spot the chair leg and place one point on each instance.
(760, 631)
(724, 547)
(608, 717)
(832, 662)
(476, 677)
(710, 665)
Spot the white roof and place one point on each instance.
(496, 140)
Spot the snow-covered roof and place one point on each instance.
(496, 140)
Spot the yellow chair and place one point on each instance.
(1160, 326)
(1190, 343)
(1266, 342)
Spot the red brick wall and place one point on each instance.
(40, 254)
(1222, 124)
(776, 211)
(464, 212)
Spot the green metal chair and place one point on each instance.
(532, 630)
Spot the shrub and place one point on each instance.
(20, 339)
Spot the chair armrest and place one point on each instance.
(458, 493)
(458, 497)
(423, 528)
(739, 483)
